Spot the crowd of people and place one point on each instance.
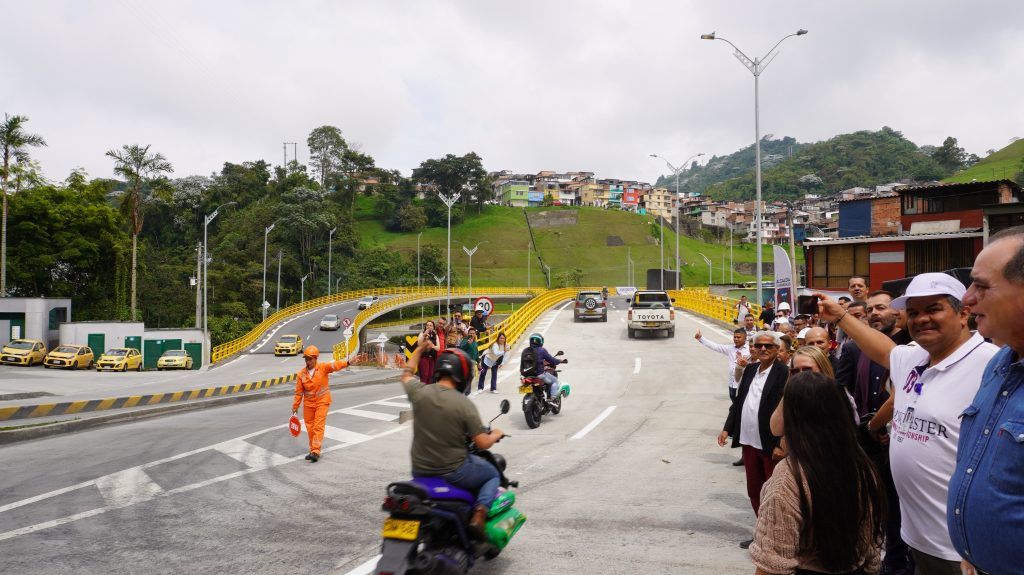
(455, 333)
(885, 433)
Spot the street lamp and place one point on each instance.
(266, 232)
(709, 267)
(330, 239)
(470, 252)
(419, 283)
(439, 280)
(756, 66)
(336, 282)
(302, 288)
(675, 211)
(206, 260)
(449, 201)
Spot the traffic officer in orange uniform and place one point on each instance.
(311, 385)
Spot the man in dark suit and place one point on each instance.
(748, 423)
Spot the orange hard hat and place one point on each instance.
(311, 351)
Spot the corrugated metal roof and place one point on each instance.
(885, 195)
(964, 233)
(947, 185)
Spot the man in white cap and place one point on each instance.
(782, 316)
(933, 382)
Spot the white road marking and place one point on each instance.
(403, 404)
(636, 366)
(366, 568)
(344, 435)
(597, 420)
(251, 455)
(370, 414)
(127, 487)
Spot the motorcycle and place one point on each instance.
(536, 402)
(426, 532)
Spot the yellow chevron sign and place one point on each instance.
(410, 340)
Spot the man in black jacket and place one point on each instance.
(748, 423)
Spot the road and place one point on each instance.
(627, 479)
(259, 364)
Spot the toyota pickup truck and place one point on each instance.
(651, 311)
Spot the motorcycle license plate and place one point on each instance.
(525, 389)
(404, 529)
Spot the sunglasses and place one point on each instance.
(764, 345)
(796, 370)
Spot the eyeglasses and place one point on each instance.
(764, 345)
(796, 370)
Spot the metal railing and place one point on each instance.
(703, 302)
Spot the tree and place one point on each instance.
(14, 143)
(137, 166)
(950, 156)
(327, 150)
(457, 174)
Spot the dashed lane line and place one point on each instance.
(636, 366)
(597, 420)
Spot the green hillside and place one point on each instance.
(503, 259)
(1006, 164)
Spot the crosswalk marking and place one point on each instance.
(344, 435)
(251, 455)
(403, 404)
(369, 414)
(127, 487)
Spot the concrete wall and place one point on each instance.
(114, 332)
(186, 335)
(36, 313)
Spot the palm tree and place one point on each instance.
(15, 143)
(137, 165)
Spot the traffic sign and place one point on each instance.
(347, 333)
(484, 304)
(382, 338)
(346, 322)
(266, 305)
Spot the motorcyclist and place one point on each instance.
(547, 362)
(443, 417)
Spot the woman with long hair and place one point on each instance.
(823, 509)
(425, 369)
(491, 360)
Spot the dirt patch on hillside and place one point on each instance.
(553, 219)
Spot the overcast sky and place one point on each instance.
(528, 85)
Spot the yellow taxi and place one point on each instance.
(174, 359)
(288, 345)
(120, 359)
(70, 357)
(23, 352)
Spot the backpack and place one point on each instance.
(528, 363)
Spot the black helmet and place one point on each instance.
(536, 339)
(455, 364)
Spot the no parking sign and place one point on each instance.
(484, 304)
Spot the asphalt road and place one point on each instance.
(60, 385)
(627, 479)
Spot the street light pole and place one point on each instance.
(470, 252)
(709, 268)
(439, 280)
(330, 245)
(529, 259)
(266, 232)
(278, 306)
(675, 211)
(302, 288)
(756, 67)
(419, 282)
(206, 260)
(449, 201)
(336, 282)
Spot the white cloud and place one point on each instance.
(529, 85)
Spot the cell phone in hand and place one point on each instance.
(806, 305)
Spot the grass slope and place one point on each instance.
(503, 259)
(1004, 164)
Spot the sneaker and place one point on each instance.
(738, 463)
(746, 544)
(314, 457)
(494, 391)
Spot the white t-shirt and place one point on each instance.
(749, 432)
(922, 448)
(742, 310)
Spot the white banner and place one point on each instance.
(783, 278)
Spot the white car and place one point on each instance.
(368, 301)
(330, 322)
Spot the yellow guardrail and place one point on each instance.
(383, 306)
(225, 350)
(516, 324)
(702, 301)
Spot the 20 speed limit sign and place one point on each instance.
(484, 304)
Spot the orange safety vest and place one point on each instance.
(315, 390)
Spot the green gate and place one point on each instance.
(133, 341)
(196, 351)
(97, 341)
(152, 349)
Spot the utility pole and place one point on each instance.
(330, 245)
(278, 308)
(529, 256)
(295, 157)
(199, 282)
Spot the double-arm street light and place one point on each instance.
(449, 201)
(675, 205)
(266, 232)
(756, 66)
(439, 280)
(206, 260)
(470, 252)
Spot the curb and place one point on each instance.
(90, 405)
(56, 428)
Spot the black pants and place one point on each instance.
(898, 560)
(732, 394)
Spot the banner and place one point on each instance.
(783, 278)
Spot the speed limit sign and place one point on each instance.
(484, 304)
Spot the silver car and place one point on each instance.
(590, 305)
(330, 322)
